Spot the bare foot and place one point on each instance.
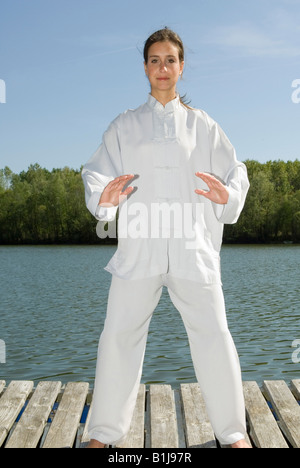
(95, 444)
(241, 444)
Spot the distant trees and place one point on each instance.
(272, 209)
(38, 206)
(41, 206)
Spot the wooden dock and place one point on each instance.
(51, 415)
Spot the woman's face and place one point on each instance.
(163, 67)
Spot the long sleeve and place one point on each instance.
(104, 166)
(233, 174)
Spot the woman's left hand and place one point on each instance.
(217, 192)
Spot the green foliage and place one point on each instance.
(272, 209)
(39, 206)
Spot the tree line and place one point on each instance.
(39, 206)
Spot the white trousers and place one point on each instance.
(122, 348)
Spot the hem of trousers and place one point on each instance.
(103, 439)
(232, 438)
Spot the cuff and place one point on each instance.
(229, 213)
(101, 213)
(106, 213)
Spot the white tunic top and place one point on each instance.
(164, 226)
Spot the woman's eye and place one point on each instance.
(171, 60)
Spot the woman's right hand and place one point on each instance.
(113, 193)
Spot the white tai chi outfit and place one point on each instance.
(167, 236)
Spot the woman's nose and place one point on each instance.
(163, 67)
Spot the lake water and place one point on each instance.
(53, 305)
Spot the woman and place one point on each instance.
(170, 234)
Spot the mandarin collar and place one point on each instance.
(171, 106)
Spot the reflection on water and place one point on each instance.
(53, 304)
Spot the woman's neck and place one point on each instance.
(163, 97)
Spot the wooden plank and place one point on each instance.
(264, 429)
(11, 404)
(2, 385)
(63, 429)
(199, 432)
(179, 418)
(295, 387)
(147, 421)
(163, 414)
(286, 408)
(85, 435)
(163, 417)
(33, 421)
(136, 435)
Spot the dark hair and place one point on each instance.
(166, 35)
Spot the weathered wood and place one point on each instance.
(136, 435)
(295, 387)
(179, 418)
(2, 385)
(30, 428)
(171, 419)
(11, 404)
(163, 417)
(199, 432)
(64, 427)
(260, 417)
(287, 410)
(85, 435)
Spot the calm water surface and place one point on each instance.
(53, 304)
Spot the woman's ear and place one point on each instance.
(181, 68)
(146, 70)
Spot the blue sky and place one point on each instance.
(71, 66)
